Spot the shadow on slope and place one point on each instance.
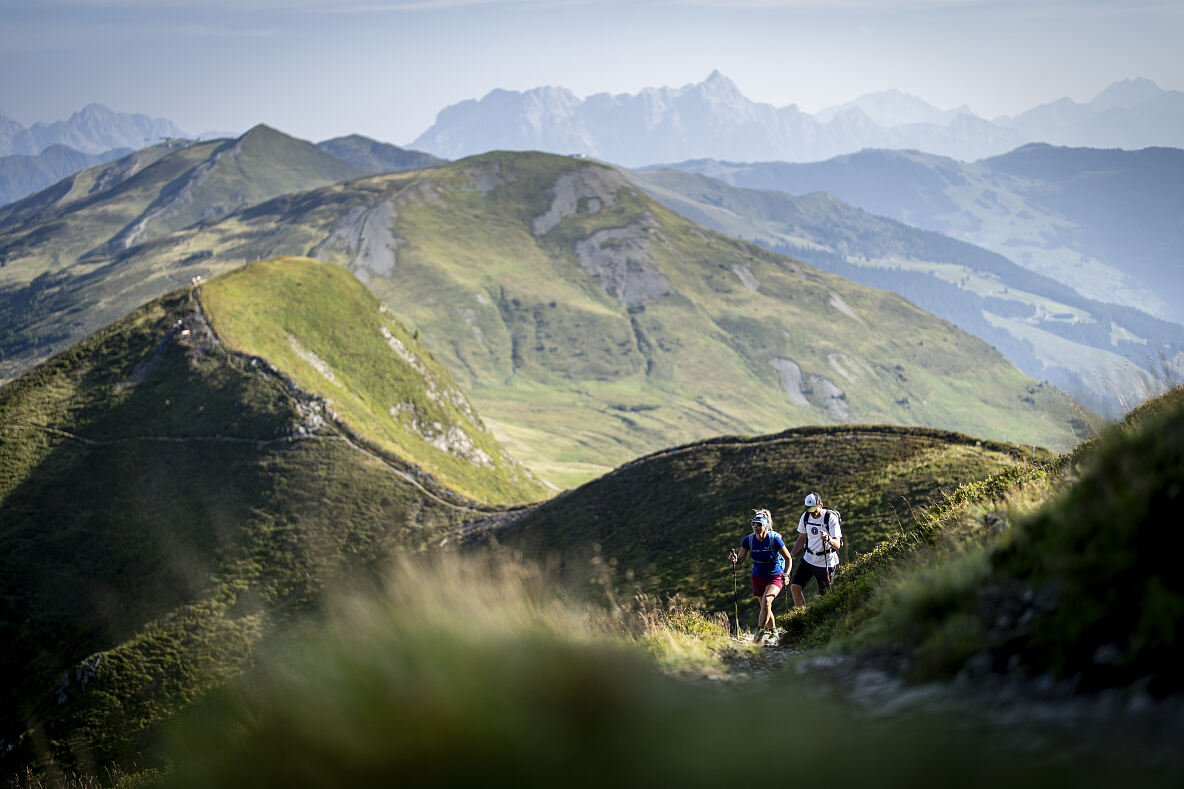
(164, 503)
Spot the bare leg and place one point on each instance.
(767, 621)
(798, 598)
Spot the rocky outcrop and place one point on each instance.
(367, 234)
(791, 380)
(620, 259)
(822, 393)
(597, 187)
(747, 278)
(812, 390)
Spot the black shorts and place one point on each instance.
(806, 571)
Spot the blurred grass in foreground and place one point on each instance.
(476, 669)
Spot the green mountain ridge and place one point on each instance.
(665, 521)
(168, 498)
(170, 501)
(588, 324)
(1104, 355)
(1105, 222)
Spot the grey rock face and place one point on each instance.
(597, 185)
(620, 259)
(368, 233)
(791, 380)
(825, 396)
(812, 390)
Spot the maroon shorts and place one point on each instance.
(759, 584)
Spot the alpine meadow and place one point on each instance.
(343, 463)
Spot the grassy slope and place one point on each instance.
(72, 240)
(155, 512)
(281, 308)
(687, 365)
(1056, 329)
(666, 521)
(1067, 569)
(542, 690)
(571, 379)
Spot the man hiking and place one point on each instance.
(820, 533)
(770, 563)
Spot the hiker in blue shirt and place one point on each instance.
(770, 563)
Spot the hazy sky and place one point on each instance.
(384, 68)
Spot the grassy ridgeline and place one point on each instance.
(320, 325)
(1067, 570)
(164, 505)
(665, 521)
(431, 683)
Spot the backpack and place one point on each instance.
(773, 552)
(826, 524)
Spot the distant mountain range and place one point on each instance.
(1100, 353)
(712, 119)
(1108, 223)
(23, 174)
(93, 129)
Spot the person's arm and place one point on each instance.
(738, 556)
(788, 558)
(798, 544)
(832, 541)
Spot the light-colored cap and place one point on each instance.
(813, 501)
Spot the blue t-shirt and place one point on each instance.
(767, 560)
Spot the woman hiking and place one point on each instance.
(770, 563)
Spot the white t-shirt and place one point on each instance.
(809, 525)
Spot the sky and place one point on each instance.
(383, 68)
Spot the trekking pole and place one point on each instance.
(735, 594)
(826, 559)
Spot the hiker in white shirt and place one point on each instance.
(820, 533)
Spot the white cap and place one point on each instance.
(812, 501)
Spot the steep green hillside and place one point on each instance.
(1067, 571)
(64, 252)
(167, 501)
(323, 328)
(666, 521)
(1104, 355)
(588, 324)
